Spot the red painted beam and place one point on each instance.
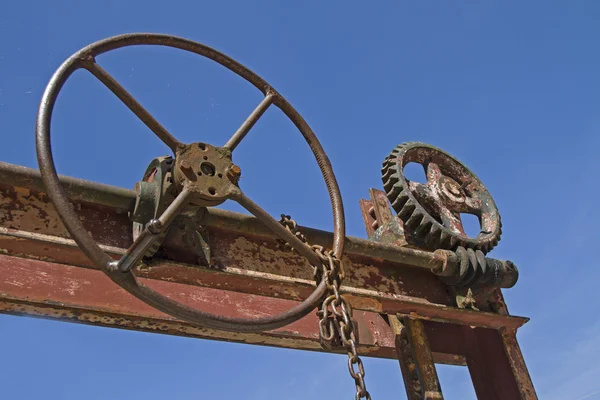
(41, 288)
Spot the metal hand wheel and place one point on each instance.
(204, 175)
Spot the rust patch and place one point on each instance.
(459, 316)
(422, 358)
(33, 287)
(31, 211)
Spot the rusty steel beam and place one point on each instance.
(121, 200)
(484, 382)
(517, 364)
(244, 258)
(406, 360)
(43, 273)
(30, 227)
(78, 189)
(80, 295)
(422, 357)
(237, 266)
(56, 291)
(493, 370)
(462, 316)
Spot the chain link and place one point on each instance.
(335, 314)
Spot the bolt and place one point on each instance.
(454, 190)
(155, 227)
(187, 170)
(233, 173)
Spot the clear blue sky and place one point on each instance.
(511, 88)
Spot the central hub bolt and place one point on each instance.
(453, 189)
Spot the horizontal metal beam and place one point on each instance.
(244, 258)
(246, 280)
(80, 190)
(43, 273)
(77, 189)
(72, 294)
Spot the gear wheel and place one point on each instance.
(431, 211)
(154, 193)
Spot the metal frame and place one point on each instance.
(403, 310)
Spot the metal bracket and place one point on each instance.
(466, 299)
(185, 237)
(187, 240)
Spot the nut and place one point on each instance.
(234, 173)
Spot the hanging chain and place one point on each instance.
(336, 325)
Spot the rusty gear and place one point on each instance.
(153, 195)
(474, 269)
(431, 211)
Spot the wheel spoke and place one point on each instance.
(151, 232)
(276, 227)
(422, 192)
(452, 221)
(239, 135)
(473, 205)
(133, 105)
(433, 172)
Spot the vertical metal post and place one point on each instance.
(481, 376)
(405, 358)
(517, 364)
(496, 365)
(425, 367)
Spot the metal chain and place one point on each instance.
(335, 314)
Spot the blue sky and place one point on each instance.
(510, 88)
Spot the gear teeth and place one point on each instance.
(482, 263)
(423, 228)
(400, 201)
(414, 220)
(486, 248)
(406, 211)
(473, 269)
(464, 262)
(393, 179)
(388, 162)
(388, 171)
(444, 239)
(453, 241)
(394, 191)
(433, 239)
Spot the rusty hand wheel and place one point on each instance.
(432, 210)
(204, 175)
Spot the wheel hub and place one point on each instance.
(207, 171)
(451, 190)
